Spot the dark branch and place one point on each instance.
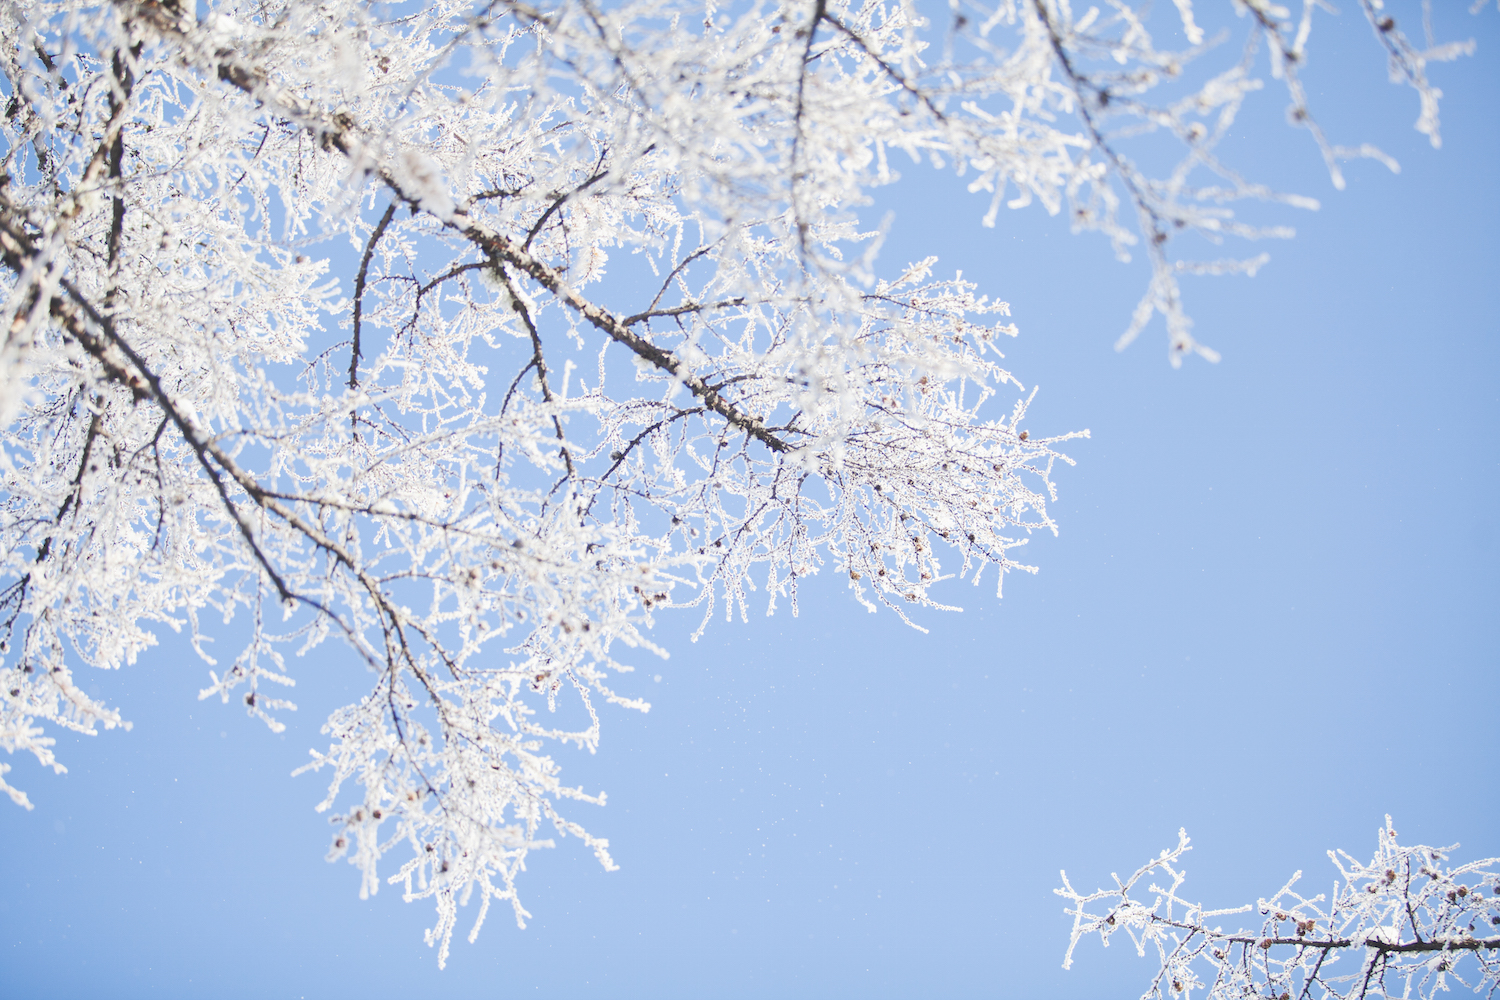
(359, 291)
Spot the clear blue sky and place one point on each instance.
(1270, 617)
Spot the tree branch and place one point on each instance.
(359, 292)
(333, 133)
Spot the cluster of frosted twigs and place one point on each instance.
(1407, 924)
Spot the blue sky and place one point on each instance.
(1270, 617)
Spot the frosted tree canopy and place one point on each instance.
(473, 336)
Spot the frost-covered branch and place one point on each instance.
(1404, 925)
